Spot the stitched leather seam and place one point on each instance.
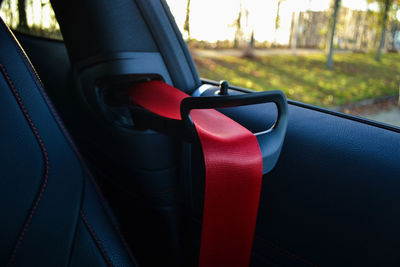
(290, 254)
(74, 148)
(45, 155)
(96, 239)
(82, 199)
(39, 83)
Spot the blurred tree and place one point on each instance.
(186, 26)
(336, 5)
(238, 26)
(394, 22)
(248, 52)
(357, 30)
(277, 21)
(385, 7)
(394, 29)
(6, 8)
(22, 18)
(252, 40)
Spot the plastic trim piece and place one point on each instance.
(170, 44)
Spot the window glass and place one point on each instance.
(33, 17)
(342, 55)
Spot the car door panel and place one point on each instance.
(333, 194)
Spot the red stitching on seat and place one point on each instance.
(96, 238)
(71, 142)
(270, 244)
(32, 70)
(59, 121)
(66, 134)
(45, 155)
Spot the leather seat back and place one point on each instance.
(52, 213)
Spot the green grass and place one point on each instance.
(305, 78)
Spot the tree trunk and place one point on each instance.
(238, 25)
(394, 30)
(329, 62)
(186, 26)
(23, 22)
(277, 22)
(294, 31)
(357, 30)
(383, 32)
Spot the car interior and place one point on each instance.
(88, 181)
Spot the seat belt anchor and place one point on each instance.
(270, 141)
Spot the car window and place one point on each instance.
(341, 55)
(33, 17)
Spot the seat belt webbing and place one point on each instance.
(233, 170)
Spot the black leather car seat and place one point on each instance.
(52, 213)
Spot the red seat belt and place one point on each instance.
(233, 169)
